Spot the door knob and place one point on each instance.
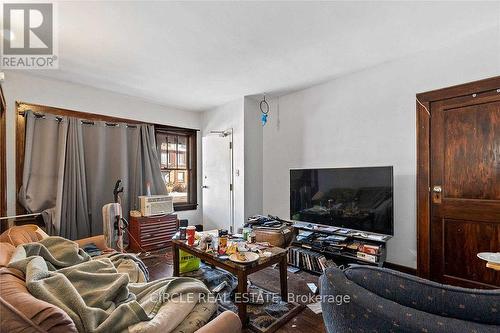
(437, 192)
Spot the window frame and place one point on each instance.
(191, 163)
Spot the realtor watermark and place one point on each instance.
(29, 38)
(250, 298)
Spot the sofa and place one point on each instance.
(21, 312)
(372, 299)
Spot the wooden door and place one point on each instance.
(464, 187)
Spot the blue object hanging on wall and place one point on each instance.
(264, 108)
(263, 118)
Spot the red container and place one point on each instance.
(190, 234)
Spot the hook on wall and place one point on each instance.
(264, 108)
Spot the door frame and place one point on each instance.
(227, 133)
(424, 102)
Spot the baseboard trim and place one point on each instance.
(400, 268)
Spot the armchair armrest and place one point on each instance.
(99, 241)
(226, 322)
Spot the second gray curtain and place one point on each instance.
(110, 154)
(74, 221)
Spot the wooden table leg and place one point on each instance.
(241, 297)
(175, 256)
(283, 279)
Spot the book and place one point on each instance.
(335, 238)
(309, 260)
(370, 249)
(367, 257)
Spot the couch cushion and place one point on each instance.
(21, 312)
(6, 251)
(23, 234)
(482, 306)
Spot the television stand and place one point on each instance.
(315, 246)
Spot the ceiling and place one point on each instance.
(197, 55)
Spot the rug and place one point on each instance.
(266, 311)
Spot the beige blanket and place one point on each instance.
(100, 299)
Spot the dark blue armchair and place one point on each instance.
(372, 299)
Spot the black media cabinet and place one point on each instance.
(327, 242)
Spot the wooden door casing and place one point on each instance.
(459, 150)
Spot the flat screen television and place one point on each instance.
(353, 198)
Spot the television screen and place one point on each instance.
(353, 198)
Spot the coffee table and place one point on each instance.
(279, 256)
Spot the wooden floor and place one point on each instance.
(306, 321)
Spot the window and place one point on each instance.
(177, 150)
(180, 176)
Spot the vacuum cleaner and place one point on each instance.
(114, 224)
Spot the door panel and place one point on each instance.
(462, 240)
(472, 152)
(465, 164)
(216, 182)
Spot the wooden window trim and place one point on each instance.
(424, 117)
(191, 162)
(22, 107)
(3, 155)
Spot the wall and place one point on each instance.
(253, 157)
(368, 119)
(230, 115)
(32, 89)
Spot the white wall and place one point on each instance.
(230, 115)
(32, 89)
(368, 119)
(253, 157)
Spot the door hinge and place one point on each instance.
(230, 145)
(230, 187)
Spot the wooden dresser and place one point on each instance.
(152, 233)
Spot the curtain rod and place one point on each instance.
(89, 122)
(86, 122)
(100, 117)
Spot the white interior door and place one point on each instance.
(217, 180)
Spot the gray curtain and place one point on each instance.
(74, 211)
(90, 159)
(45, 145)
(147, 162)
(110, 154)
